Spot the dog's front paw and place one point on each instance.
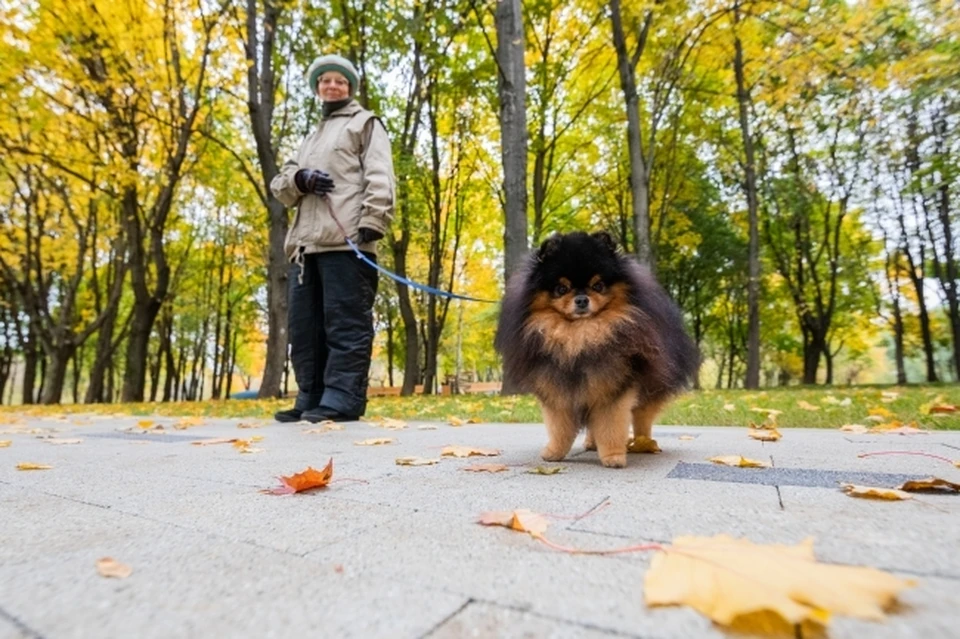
(550, 454)
(614, 461)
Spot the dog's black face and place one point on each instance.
(577, 271)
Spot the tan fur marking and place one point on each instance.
(561, 432)
(564, 338)
(610, 427)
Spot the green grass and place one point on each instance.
(707, 408)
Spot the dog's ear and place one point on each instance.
(606, 239)
(550, 246)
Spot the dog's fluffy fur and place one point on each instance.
(593, 335)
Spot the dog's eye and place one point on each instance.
(561, 290)
(598, 287)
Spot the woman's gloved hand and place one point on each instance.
(313, 181)
(369, 235)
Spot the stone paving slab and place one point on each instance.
(389, 551)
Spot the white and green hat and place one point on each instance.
(336, 63)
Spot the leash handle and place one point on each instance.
(397, 278)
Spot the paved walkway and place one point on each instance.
(390, 551)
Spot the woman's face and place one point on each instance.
(333, 86)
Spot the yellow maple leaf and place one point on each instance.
(486, 468)
(643, 444)
(455, 421)
(734, 581)
(764, 432)
(376, 441)
(854, 428)
(546, 470)
(145, 424)
(468, 451)
(416, 461)
(930, 485)
(32, 466)
(109, 567)
(188, 422)
(874, 492)
(738, 460)
(521, 520)
(6, 443)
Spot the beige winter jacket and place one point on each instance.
(352, 146)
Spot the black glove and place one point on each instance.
(369, 235)
(313, 181)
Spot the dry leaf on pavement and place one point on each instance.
(146, 424)
(738, 460)
(486, 468)
(686, 438)
(874, 492)
(416, 461)
(376, 441)
(109, 567)
(734, 581)
(930, 485)
(308, 479)
(217, 440)
(854, 428)
(546, 470)
(455, 421)
(248, 425)
(643, 445)
(897, 428)
(468, 451)
(520, 520)
(188, 422)
(764, 432)
(61, 441)
(5, 443)
(32, 466)
(391, 424)
(427, 427)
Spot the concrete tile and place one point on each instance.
(481, 620)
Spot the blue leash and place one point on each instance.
(396, 278)
(402, 280)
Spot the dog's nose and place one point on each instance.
(581, 302)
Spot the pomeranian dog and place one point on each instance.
(592, 334)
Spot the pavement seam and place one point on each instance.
(20, 625)
(439, 624)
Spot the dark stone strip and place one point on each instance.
(785, 476)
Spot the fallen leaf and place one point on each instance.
(109, 567)
(145, 424)
(546, 470)
(468, 451)
(764, 432)
(643, 444)
(735, 582)
(942, 409)
(32, 466)
(416, 461)
(246, 425)
(306, 480)
(391, 424)
(520, 520)
(6, 443)
(896, 428)
(218, 440)
(880, 411)
(61, 441)
(188, 422)
(474, 420)
(854, 428)
(257, 438)
(486, 468)
(930, 485)
(376, 441)
(455, 421)
(771, 413)
(686, 438)
(738, 460)
(729, 407)
(807, 405)
(846, 401)
(427, 427)
(830, 399)
(243, 445)
(873, 492)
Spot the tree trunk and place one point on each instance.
(58, 359)
(138, 347)
(898, 342)
(31, 357)
(752, 380)
(103, 354)
(639, 171)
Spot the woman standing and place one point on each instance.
(341, 183)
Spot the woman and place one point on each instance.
(342, 183)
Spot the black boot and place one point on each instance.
(323, 414)
(289, 415)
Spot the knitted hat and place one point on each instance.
(333, 63)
